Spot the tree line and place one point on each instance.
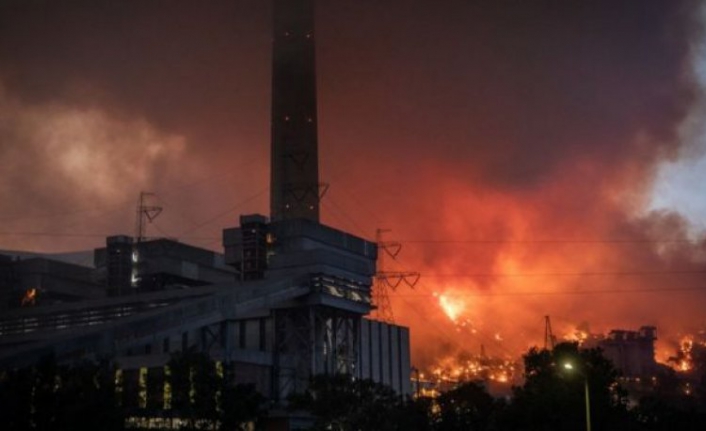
(194, 392)
(191, 392)
(552, 398)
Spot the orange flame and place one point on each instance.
(684, 362)
(452, 307)
(30, 298)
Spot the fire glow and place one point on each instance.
(30, 298)
(689, 347)
(453, 306)
(451, 371)
(549, 193)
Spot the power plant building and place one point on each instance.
(286, 300)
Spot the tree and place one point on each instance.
(86, 398)
(16, 389)
(467, 407)
(416, 414)
(203, 391)
(52, 397)
(668, 406)
(194, 386)
(553, 399)
(340, 402)
(241, 405)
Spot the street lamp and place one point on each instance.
(570, 367)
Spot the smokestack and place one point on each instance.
(294, 186)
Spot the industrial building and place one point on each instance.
(286, 300)
(632, 352)
(31, 279)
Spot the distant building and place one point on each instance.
(632, 352)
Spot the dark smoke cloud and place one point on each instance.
(503, 121)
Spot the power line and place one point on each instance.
(565, 274)
(340, 214)
(227, 211)
(430, 323)
(548, 241)
(208, 180)
(91, 235)
(121, 204)
(557, 292)
(55, 234)
(61, 214)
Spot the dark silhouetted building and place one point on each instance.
(287, 300)
(632, 352)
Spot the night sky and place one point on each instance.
(534, 157)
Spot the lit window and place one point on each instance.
(142, 388)
(167, 394)
(119, 386)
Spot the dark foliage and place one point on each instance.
(553, 397)
(83, 396)
(51, 397)
(468, 407)
(241, 404)
(669, 407)
(340, 402)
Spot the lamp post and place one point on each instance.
(570, 367)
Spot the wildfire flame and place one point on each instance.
(684, 360)
(690, 346)
(577, 335)
(453, 307)
(452, 370)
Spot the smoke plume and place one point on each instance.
(512, 147)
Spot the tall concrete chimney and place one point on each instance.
(294, 186)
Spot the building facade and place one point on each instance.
(286, 300)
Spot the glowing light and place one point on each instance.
(30, 298)
(142, 388)
(454, 370)
(683, 362)
(578, 335)
(167, 389)
(453, 308)
(684, 359)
